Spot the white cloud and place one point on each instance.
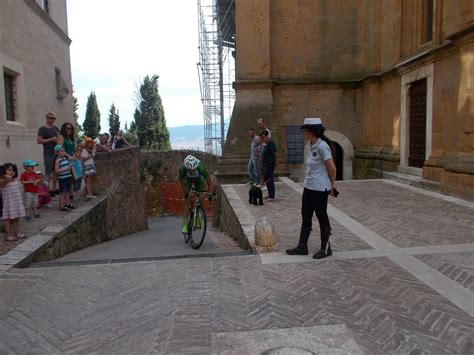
(118, 42)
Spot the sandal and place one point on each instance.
(20, 235)
(11, 238)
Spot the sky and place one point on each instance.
(115, 43)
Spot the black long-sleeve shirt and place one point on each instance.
(268, 154)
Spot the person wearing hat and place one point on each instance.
(30, 181)
(319, 183)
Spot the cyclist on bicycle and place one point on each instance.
(192, 174)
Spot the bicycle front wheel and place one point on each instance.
(198, 228)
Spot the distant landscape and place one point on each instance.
(187, 137)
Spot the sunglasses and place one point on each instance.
(51, 118)
(69, 128)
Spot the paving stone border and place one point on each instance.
(76, 230)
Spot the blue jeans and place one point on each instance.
(253, 170)
(269, 181)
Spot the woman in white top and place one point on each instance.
(320, 182)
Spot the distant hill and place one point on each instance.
(187, 137)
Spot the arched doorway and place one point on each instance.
(343, 152)
(338, 156)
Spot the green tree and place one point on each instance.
(92, 121)
(130, 134)
(150, 116)
(114, 121)
(77, 126)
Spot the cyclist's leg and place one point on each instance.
(187, 203)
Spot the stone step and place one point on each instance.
(413, 180)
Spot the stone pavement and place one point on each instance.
(381, 292)
(162, 239)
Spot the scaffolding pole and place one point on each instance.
(216, 69)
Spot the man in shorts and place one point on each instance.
(48, 136)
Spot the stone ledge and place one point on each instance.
(59, 238)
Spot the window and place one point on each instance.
(428, 21)
(10, 96)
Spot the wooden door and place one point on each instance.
(417, 126)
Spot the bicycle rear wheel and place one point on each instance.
(198, 228)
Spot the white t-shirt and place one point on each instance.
(85, 153)
(317, 176)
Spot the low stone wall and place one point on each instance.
(118, 177)
(227, 220)
(159, 176)
(81, 228)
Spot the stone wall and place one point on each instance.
(81, 228)
(118, 178)
(159, 176)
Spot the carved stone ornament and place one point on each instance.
(62, 91)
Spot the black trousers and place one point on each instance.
(315, 202)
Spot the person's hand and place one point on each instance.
(333, 187)
(54, 139)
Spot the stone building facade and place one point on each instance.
(36, 74)
(392, 81)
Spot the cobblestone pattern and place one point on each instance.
(175, 306)
(403, 217)
(458, 267)
(285, 214)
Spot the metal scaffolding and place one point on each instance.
(216, 69)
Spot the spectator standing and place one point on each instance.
(43, 196)
(76, 185)
(48, 137)
(87, 157)
(65, 172)
(102, 142)
(67, 139)
(30, 181)
(254, 166)
(263, 127)
(13, 208)
(268, 164)
(119, 141)
(320, 182)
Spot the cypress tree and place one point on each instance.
(92, 121)
(114, 121)
(149, 116)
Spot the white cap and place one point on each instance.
(312, 121)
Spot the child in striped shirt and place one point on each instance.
(64, 170)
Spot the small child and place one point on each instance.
(76, 185)
(30, 181)
(13, 208)
(43, 195)
(65, 172)
(87, 157)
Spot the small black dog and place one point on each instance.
(255, 195)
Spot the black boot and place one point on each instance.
(302, 248)
(325, 245)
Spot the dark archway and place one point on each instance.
(338, 156)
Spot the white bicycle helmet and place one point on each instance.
(191, 162)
